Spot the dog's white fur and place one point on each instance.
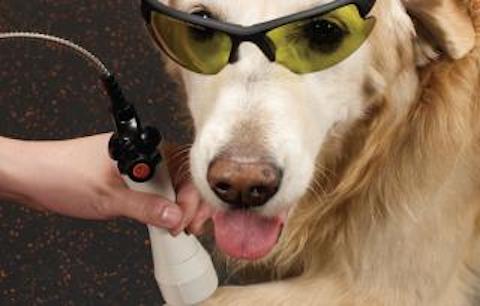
(282, 106)
(380, 153)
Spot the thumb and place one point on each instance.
(148, 209)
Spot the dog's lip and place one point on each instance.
(245, 234)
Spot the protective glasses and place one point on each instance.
(309, 41)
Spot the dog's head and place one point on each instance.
(260, 129)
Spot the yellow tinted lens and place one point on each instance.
(320, 42)
(196, 48)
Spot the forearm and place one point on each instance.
(55, 175)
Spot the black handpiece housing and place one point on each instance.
(133, 147)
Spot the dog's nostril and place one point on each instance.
(243, 184)
(258, 191)
(223, 187)
(258, 195)
(226, 192)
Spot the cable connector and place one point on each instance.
(133, 147)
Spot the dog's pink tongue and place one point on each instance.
(246, 235)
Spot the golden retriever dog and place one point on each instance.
(360, 183)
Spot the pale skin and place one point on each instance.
(77, 178)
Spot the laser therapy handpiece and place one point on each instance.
(183, 269)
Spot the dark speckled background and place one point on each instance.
(47, 93)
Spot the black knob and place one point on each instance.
(116, 147)
(150, 139)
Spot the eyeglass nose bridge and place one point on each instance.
(260, 40)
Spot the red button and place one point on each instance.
(141, 171)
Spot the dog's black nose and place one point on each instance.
(244, 184)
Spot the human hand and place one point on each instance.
(77, 178)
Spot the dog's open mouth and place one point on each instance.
(244, 234)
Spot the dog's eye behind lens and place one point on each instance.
(200, 33)
(320, 42)
(203, 13)
(324, 35)
(193, 47)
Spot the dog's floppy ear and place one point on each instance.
(445, 23)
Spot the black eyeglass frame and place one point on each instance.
(255, 33)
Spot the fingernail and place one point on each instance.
(171, 216)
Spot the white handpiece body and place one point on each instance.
(183, 269)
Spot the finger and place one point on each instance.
(189, 200)
(204, 213)
(148, 209)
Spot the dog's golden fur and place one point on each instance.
(394, 219)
